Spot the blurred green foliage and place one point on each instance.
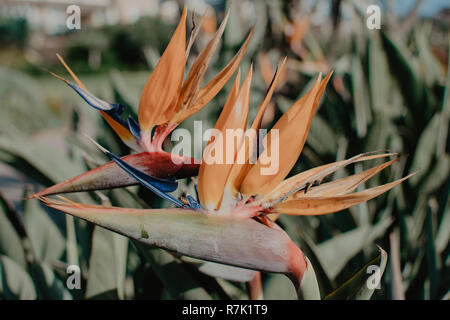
(13, 31)
(390, 90)
(120, 46)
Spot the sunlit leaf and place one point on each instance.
(363, 284)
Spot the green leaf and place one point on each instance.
(175, 278)
(359, 7)
(45, 164)
(309, 287)
(46, 239)
(23, 103)
(107, 264)
(443, 127)
(336, 252)
(434, 71)
(279, 287)
(15, 283)
(122, 92)
(360, 97)
(233, 290)
(235, 31)
(259, 22)
(48, 286)
(299, 229)
(443, 234)
(424, 153)
(397, 289)
(379, 133)
(71, 242)
(431, 254)
(321, 137)
(437, 176)
(106, 295)
(379, 77)
(411, 85)
(362, 285)
(10, 242)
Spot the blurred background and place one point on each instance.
(389, 91)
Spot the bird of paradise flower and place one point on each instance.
(232, 220)
(166, 101)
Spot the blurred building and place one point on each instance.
(49, 16)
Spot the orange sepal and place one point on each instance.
(325, 205)
(164, 84)
(213, 176)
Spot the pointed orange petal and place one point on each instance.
(267, 71)
(326, 205)
(294, 109)
(194, 33)
(212, 88)
(293, 129)
(124, 134)
(78, 81)
(344, 185)
(265, 67)
(268, 97)
(338, 187)
(239, 170)
(191, 86)
(163, 85)
(212, 176)
(318, 173)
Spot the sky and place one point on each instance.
(427, 9)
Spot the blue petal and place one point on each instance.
(92, 100)
(193, 203)
(114, 110)
(157, 185)
(133, 125)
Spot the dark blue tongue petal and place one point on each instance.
(114, 110)
(157, 185)
(133, 125)
(91, 100)
(193, 203)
